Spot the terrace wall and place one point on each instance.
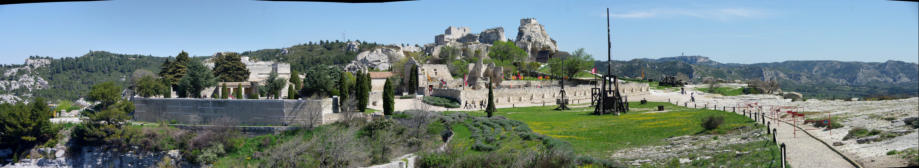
(245, 112)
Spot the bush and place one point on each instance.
(712, 122)
(434, 160)
(441, 101)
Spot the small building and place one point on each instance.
(378, 80)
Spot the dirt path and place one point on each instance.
(805, 151)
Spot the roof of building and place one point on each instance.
(380, 75)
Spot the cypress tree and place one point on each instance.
(167, 93)
(224, 92)
(362, 97)
(388, 100)
(290, 92)
(344, 85)
(490, 109)
(239, 91)
(413, 79)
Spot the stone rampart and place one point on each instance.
(534, 95)
(245, 112)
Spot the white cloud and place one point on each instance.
(717, 14)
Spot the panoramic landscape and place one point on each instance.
(459, 84)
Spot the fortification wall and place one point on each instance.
(245, 112)
(535, 95)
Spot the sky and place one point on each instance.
(736, 31)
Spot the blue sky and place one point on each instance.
(726, 31)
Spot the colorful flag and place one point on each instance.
(594, 70)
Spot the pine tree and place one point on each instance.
(388, 99)
(490, 109)
(228, 67)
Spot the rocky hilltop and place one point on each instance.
(22, 77)
(532, 37)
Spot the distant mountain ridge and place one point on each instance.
(819, 78)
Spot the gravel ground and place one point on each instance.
(851, 114)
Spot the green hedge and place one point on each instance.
(441, 101)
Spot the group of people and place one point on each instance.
(471, 105)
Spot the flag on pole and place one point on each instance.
(594, 70)
(464, 80)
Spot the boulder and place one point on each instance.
(532, 37)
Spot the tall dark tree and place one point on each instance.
(362, 93)
(320, 81)
(388, 98)
(224, 92)
(413, 79)
(228, 67)
(103, 124)
(177, 69)
(239, 92)
(290, 92)
(490, 109)
(167, 88)
(198, 78)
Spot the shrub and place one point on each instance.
(434, 160)
(441, 101)
(712, 122)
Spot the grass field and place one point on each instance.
(726, 91)
(600, 136)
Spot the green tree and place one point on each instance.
(571, 65)
(320, 81)
(362, 90)
(228, 67)
(345, 82)
(198, 78)
(413, 79)
(290, 92)
(148, 86)
(103, 123)
(106, 93)
(275, 85)
(507, 51)
(459, 68)
(490, 109)
(25, 125)
(388, 98)
(239, 91)
(224, 92)
(167, 88)
(174, 71)
(297, 82)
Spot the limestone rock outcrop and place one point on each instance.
(379, 58)
(489, 36)
(532, 37)
(462, 38)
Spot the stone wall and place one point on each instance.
(246, 112)
(534, 95)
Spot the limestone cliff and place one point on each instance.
(532, 37)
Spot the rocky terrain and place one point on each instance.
(22, 77)
(532, 37)
(886, 116)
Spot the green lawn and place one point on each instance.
(600, 136)
(727, 91)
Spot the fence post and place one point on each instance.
(734, 109)
(768, 128)
(783, 155)
(774, 131)
(762, 117)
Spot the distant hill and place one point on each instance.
(70, 78)
(816, 79)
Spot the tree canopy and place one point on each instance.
(228, 67)
(571, 65)
(198, 78)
